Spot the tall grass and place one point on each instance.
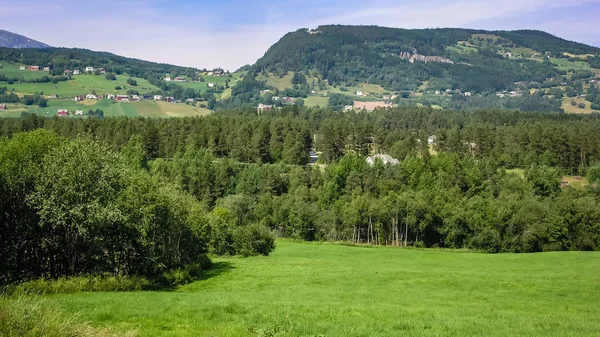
(28, 316)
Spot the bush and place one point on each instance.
(110, 77)
(593, 174)
(132, 82)
(118, 87)
(488, 240)
(581, 105)
(252, 240)
(81, 284)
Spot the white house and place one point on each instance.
(190, 100)
(76, 72)
(359, 93)
(89, 69)
(385, 159)
(158, 98)
(110, 96)
(90, 96)
(468, 94)
(210, 73)
(135, 98)
(78, 112)
(348, 108)
(211, 85)
(168, 78)
(46, 68)
(22, 68)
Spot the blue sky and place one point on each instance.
(231, 33)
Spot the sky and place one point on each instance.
(233, 33)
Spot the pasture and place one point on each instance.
(312, 289)
(11, 70)
(575, 109)
(110, 108)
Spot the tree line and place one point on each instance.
(73, 207)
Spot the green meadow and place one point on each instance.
(110, 108)
(306, 289)
(11, 70)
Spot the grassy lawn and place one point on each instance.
(306, 289)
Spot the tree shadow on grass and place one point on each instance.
(217, 269)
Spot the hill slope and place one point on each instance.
(362, 60)
(12, 40)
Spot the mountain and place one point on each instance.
(370, 60)
(12, 40)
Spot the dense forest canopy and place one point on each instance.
(228, 180)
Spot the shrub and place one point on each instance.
(488, 240)
(110, 77)
(81, 284)
(581, 105)
(252, 240)
(118, 87)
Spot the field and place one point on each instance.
(306, 289)
(111, 109)
(312, 101)
(565, 64)
(566, 105)
(11, 70)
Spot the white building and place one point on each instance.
(22, 68)
(90, 96)
(79, 113)
(158, 98)
(211, 85)
(168, 78)
(385, 159)
(348, 108)
(76, 72)
(89, 69)
(359, 93)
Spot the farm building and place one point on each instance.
(211, 85)
(135, 98)
(359, 93)
(168, 78)
(385, 159)
(170, 99)
(54, 96)
(122, 98)
(62, 112)
(102, 70)
(288, 100)
(146, 97)
(218, 72)
(89, 69)
(34, 68)
(76, 72)
(110, 96)
(22, 68)
(179, 79)
(190, 100)
(158, 98)
(79, 113)
(2, 106)
(46, 68)
(264, 107)
(91, 96)
(68, 72)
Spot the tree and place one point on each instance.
(132, 82)
(299, 102)
(110, 77)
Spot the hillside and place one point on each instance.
(12, 40)
(43, 81)
(375, 64)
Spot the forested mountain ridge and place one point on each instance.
(368, 60)
(12, 40)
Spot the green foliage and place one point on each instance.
(132, 82)
(252, 240)
(110, 77)
(33, 317)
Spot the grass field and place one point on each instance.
(312, 101)
(111, 109)
(11, 70)
(306, 289)
(565, 64)
(568, 108)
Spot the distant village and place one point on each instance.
(123, 98)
